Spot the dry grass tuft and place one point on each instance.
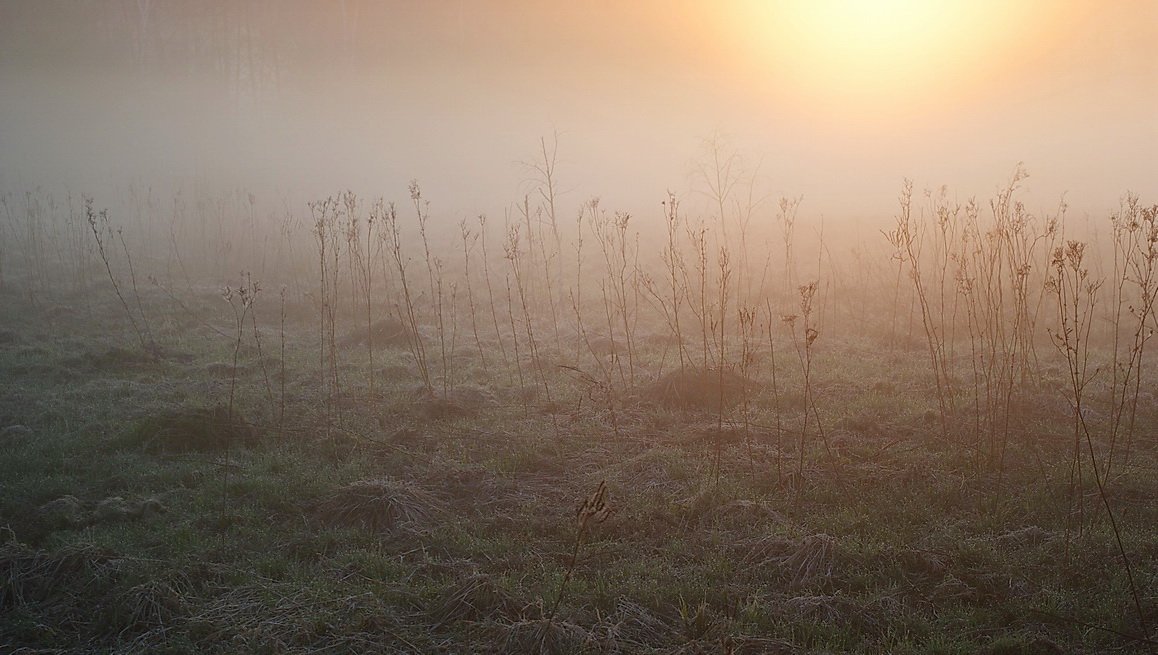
(921, 565)
(32, 576)
(150, 605)
(64, 512)
(834, 610)
(475, 598)
(634, 626)
(387, 333)
(694, 389)
(14, 435)
(119, 509)
(198, 429)
(71, 512)
(745, 512)
(1027, 536)
(379, 505)
(9, 338)
(541, 636)
(803, 562)
(460, 402)
(115, 359)
(812, 558)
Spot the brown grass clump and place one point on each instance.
(379, 505)
(33, 576)
(802, 562)
(459, 402)
(15, 435)
(637, 628)
(834, 610)
(64, 512)
(813, 558)
(1028, 536)
(151, 605)
(694, 389)
(743, 512)
(475, 598)
(115, 359)
(119, 509)
(387, 333)
(71, 512)
(921, 565)
(197, 429)
(542, 636)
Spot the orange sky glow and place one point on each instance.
(836, 100)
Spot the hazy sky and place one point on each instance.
(834, 100)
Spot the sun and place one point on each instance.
(876, 53)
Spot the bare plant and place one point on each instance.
(482, 233)
(804, 351)
(775, 397)
(101, 230)
(1135, 234)
(407, 312)
(241, 300)
(621, 282)
(469, 238)
(1076, 295)
(594, 510)
(434, 273)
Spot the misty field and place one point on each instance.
(236, 424)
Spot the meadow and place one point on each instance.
(231, 424)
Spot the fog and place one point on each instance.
(297, 100)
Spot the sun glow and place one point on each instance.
(882, 54)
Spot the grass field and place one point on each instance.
(265, 470)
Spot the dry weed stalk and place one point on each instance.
(1135, 233)
(910, 237)
(241, 300)
(775, 396)
(407, 312)
(101, 230)
(512, 252)
(544, 170)
(434, 274)
(996, 277)
(594, 510)
(804, 352)
(621, 286)
(469, 239)
(747, 322)
(719, 327)
(1076, 295)
(482, 233)
(786, 217)
(598, 391)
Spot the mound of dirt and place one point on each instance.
(379, 505)
(695, 389)
(387, 333)
(475, 598)
(119, 509)
(71, 512)
(15, 434)
(64, 512)
(113, 359)
(459, 402)
(30, 576)
(198, 429)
